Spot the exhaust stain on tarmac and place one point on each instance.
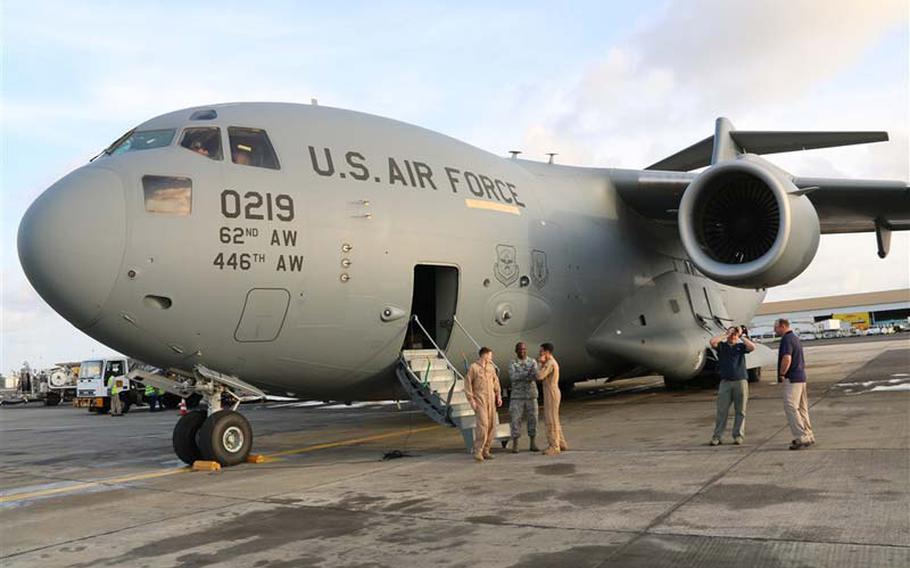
(576, 557)
(444, 536)
(248, 533)
(488, 519)
(359, 501)
(534, 496)
(413, 506)
(742, 496)
(555, 469)
(599, 497)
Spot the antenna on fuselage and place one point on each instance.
(514, 153)
(551, 154)
(314, 102)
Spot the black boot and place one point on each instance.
(533, 447)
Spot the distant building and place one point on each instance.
(890, 308)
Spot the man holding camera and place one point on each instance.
(734, 385)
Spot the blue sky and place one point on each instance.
(602, 83)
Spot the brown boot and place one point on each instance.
(488, 455)
(533, 446)
(514, 445)
(478, 457)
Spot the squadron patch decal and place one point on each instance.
(506, 267)
(540, 272)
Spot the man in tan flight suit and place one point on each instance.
(481, 388)
(549, 375)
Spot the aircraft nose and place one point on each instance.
(72, 240)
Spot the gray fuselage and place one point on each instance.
(311, 295)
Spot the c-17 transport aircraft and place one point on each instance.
(252, 248)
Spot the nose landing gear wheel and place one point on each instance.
(225, 437)
(185, 436)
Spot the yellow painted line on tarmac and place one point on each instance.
(89, 484)
(13, 497)
(350, 442)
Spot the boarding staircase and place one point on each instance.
(436, 387)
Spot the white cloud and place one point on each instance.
(773, 65)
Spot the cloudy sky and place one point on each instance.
(602, 83)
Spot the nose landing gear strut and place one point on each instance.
(216, 433)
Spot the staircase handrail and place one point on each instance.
(465, 331)
(471, 337)
(445, 358)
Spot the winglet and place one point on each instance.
(727, 143)
(725, 146)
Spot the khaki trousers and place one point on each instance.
(796, 406)
(116, 405)
(484, 425)
(737, 394)
(551, 398)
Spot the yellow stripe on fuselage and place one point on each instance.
(492, 206)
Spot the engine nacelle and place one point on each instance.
(745, 224)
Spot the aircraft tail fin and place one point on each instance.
(727, 143)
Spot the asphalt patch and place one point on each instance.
(881, 371)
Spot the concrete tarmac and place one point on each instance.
(639, 487)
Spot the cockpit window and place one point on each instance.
(168, 195)
(205, 141)
(251, 147)
(208, 114)
(142, 140)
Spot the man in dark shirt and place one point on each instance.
(734, 385)
(791, 371)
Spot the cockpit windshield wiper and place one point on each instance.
(107, 151)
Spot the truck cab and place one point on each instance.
(92, 390)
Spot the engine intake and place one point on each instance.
(744, 223)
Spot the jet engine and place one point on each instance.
(745, 224)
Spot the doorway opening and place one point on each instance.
(433, 302)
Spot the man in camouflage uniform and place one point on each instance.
(523, 400)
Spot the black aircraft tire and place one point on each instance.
(51, 399)
(674, 386)
(754, 375)
(185, 436)
(226, 437)
(169, 401)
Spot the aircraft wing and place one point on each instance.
(855, 206)
(702, 153)
(843, 205)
